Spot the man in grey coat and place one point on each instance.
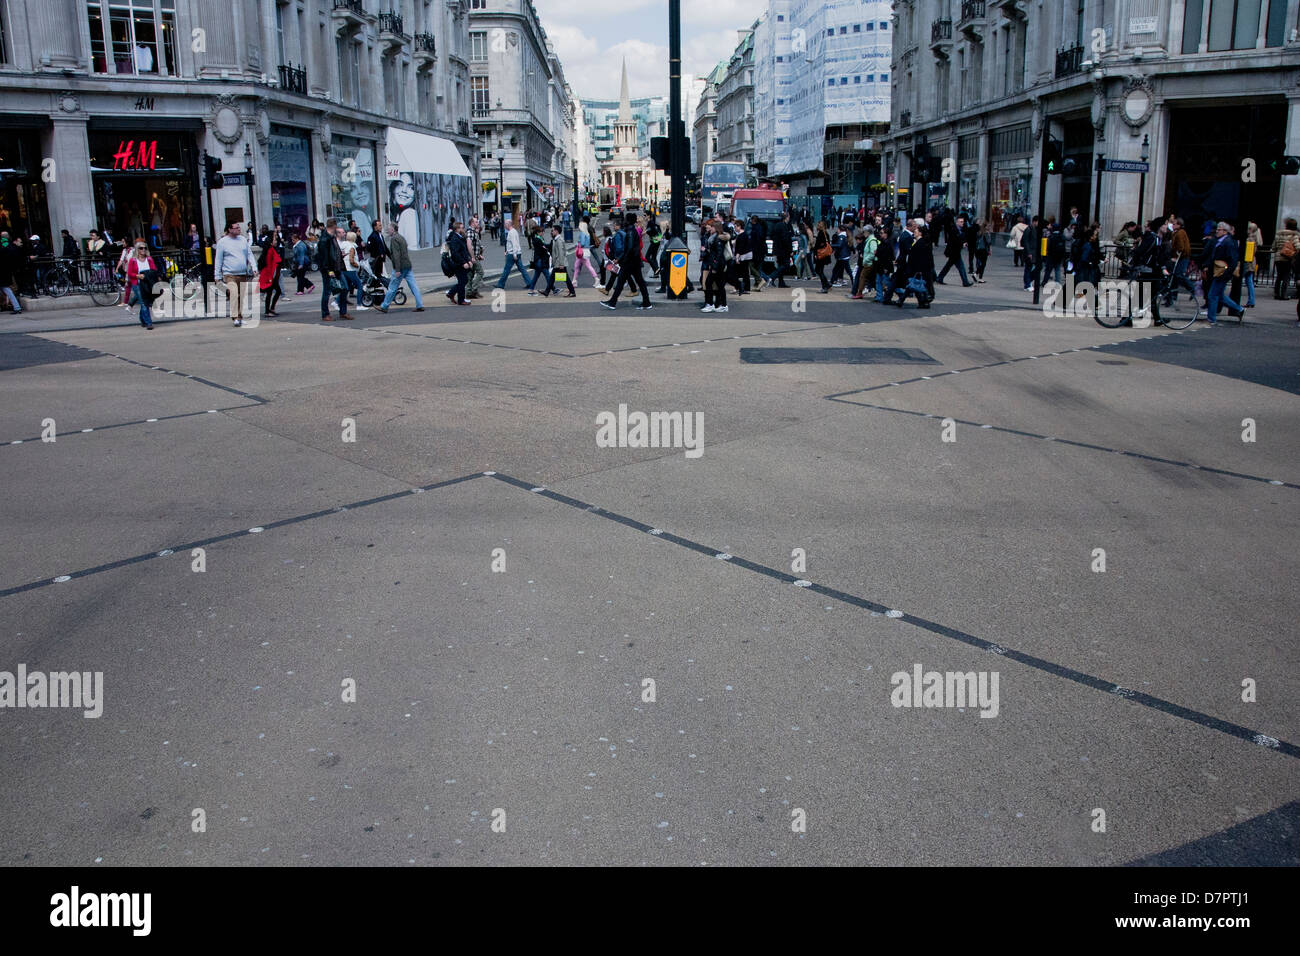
(401, 257)
(559, 263)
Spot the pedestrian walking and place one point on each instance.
(559, 263)
(514, 256)
(822, 254)
(377, 250)
(234, 267)
(654, 235)
(268, 278)
(983, 246)
(541, 264)
(1015, 241)
(953, 233)
(352, 258)
(329, 259)
(843, 255)
(719, 253)
(919, 265)
(142, 275)
(1285, 246)
(782, 247)
(462, 259)
(582, 256)
(1223, 262)
(400, 256)
(884, 264)
(301, 262)
(628, 253)
(8, 271)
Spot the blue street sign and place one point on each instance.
(1127, 166)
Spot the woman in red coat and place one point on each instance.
(268, 274)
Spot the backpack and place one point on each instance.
(618, 245)
(1288, 249)
(1056, 246)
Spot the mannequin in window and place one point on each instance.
(157, 216)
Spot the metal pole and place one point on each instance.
(675, 132)
(1142, 197)
(1099, 165)
(1042, 215)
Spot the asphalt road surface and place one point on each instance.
(475, 635)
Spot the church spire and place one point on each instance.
(624, 101)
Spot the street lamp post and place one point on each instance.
(1142, 183)
(248, 170)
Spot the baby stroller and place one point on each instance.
(373, 288)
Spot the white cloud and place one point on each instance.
(592, 38)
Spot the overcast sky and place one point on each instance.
(593, 36)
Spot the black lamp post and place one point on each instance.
(1142, 182)
(248, 178)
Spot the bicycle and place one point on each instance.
(1147, 298)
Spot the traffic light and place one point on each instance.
(212, 171)
(1054, 162)
(924, 162)
(659, 152)
(1285, 165)
(1052, 158)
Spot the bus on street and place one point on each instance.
(718, 178)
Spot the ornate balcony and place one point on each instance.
(425, 48)
(1069, 60)
(974, 15)
(941, 33)
(904, 119)
(349, 16)
(390, 30)
(293, 78)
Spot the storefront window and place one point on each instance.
(289, 152)
(145, 185)
(22, 193)
(352, 180)
(134, 37)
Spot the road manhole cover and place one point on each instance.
(853, 356)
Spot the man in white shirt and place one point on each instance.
(514, 257)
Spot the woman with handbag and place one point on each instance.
(541, 264)
(822, 254)
(268, 269)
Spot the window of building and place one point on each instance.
(279, 34)
(831, 81)
(1080, 15)
(481, 93)
(478, 4)
(857, 79)
(478, 46)
(844, 81)
(830, 31)
(424, 96)
(843, 30)
(4, 39)
(884, 77)
(884, 24)
(871, 26)
(1233, 24)
(780, 60)
(133, 37)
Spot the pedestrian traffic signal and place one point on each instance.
(1285, 165)
(1052, 158)
(659, 152)
(924, 162)
(212, 170)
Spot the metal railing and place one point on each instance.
(57, 276)
(1069, 60)
(972, 10)
(356, 6)
(941, 30)
(462, 127)
(390, 22)
(904, 119)
(293, 78)
(424, 43)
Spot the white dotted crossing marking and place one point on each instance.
(256, 530)
(801, 583)
(723, 556)
(1266, 741)
(87, 430)
(656, 531)
(165, 552)
(893, 613)
(62, 577)
(538, 488)
(151, 419)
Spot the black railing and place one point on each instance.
(1069, 60)
(941, 30)
(390, 22)
(424, 43)
(462, 127)
(356, 6)
(972, 10)
(293, 78)
(905, 118)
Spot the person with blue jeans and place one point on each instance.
(400, 255)
(329, 259)
(514, 256)
(1225, 250)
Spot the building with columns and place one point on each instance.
(344, 108)
(1199, 88)
(626, 169)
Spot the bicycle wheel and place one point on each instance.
(105, 293)
(366, 298)
(1181, 312)
(400, 298)
(56, 283)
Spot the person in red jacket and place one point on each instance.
(268, 277)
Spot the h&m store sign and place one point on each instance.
(147, 153)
